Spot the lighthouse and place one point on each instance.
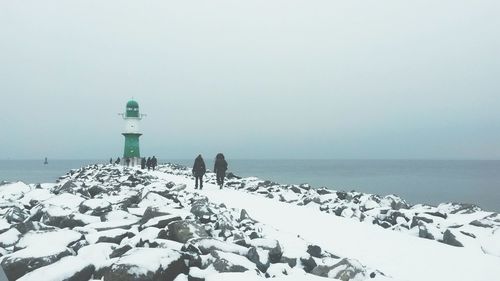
(132, 133)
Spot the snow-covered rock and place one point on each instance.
(147, 264)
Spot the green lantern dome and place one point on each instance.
(132, 109)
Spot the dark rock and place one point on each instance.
(200, 208)
(20, 262)
(232, 176)
(206, 245)
(259, 257)
(183, 230)
(222, 263)
(292, 262)
(423, 232)
(450, 239)
(75, 269)
(129, 268)
(25, 227)
(314, 251)
(118, 252)
(160, 221)
(95, 190)
(468, 234)
(416, 219)
(295, 189)
(308, 263)
(323, 191)
(16, 215)
(479, 223)
(67, 187)
(464, 208)
(341, 195)
(437, 214)
(95, 207)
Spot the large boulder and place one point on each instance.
(26, 260)
(183, 230)
(95, 207)
(147, 264)
(16, 214)
(62, 237)
(271, 245)
(229, 262)
(67, 269)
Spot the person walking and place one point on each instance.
(154, 162)
(110, 160)
(127, 160)
(143, 163)
(148, 163)
(199, 170)
(117, 161)
(220, 168)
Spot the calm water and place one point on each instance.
(418, 181)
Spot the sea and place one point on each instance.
(417, 181)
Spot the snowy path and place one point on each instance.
(399, 255)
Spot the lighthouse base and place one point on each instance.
(134, 161)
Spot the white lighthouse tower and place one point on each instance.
(132, 133)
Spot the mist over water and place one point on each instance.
(417, 181)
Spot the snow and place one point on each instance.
(4, 224)
(9, 238)
(13, 191)
(491, 244)
(169, 244)
(250, 276)
(397, 254)
(41, 250)
(106, 225)
(65, 200)
(92, 238)
(147, 234)
(263, 243)
(144, 260)
(61, 270)
(37, 195)
(61, 237)
(96, 203)
(209, 243)
(236, 259)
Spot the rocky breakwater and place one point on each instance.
(454, 224)
(112, 223)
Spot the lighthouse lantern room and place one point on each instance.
(132, 133)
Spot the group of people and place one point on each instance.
(150, 163)
(199, 170)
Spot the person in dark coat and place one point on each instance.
(148, 163)
(143, 163)
(110, 160)
(220, 168)
(199, 170)
(154, 162)
(127, 160)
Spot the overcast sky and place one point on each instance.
(253, 79)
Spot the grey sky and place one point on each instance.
(254, 79)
